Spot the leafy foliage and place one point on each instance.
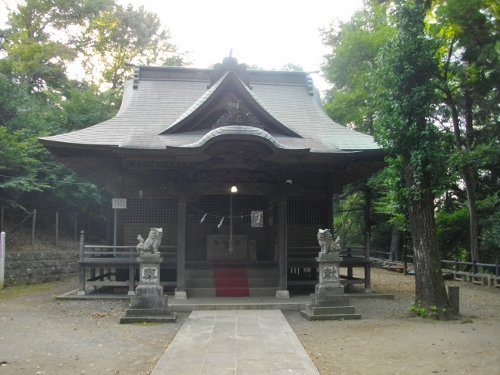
(122, 35)
(463, 116)
(404, 100)
(355, 45)
(37, 98)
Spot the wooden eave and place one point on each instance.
(352, 163)
(97, 167)
(58, 147)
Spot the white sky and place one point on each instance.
(267, 33)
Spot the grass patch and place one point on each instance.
(148, 324)
(18, 290)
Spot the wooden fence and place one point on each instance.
(475, 272)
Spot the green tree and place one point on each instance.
(37, 99)
(291, 67)
(354, 45)
(469, 81)
(123, 35)
(37, 50)
(19, 167)
(85, 105)
(404, 105)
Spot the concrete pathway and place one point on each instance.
(236, 342)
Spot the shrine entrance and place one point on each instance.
(209, 229)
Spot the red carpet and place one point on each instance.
(231, 282)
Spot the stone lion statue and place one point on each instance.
(150, 246)
(326, 243)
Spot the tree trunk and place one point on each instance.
(396, 242)
(430, 291)
(367, 214)
(470, 186)
(468, 173)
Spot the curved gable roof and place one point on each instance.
(171, 107)
(212, 98)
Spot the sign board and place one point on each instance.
(119, 203)
(218, 248)
(257, 219)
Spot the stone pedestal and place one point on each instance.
(282, 294)
(149, 304)
(329, 301)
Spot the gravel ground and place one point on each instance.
(388, 340)
(39, 335)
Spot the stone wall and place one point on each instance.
(39, 267)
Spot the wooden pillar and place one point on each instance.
(180, 290)
(121, 213)
(131, 280)
(81, 273)
(329, 205)
(368, 286)
(282, 291)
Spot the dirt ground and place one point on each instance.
(39, 335)
(388, 340)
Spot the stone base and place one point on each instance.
(180, 295)
(329, 257)
(325, 300)
(148, 306)
(282, 294)
(330, 313)
(148, 297)
(330, 303)
(148, 316)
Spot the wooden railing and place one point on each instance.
(461, 271)
(299, 257)
(103, 261)
(468, 271)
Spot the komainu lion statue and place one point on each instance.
(326, 243)
(150, 246)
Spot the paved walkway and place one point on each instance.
(236, 342)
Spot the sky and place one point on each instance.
(266, 33)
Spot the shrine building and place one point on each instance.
(237, 166)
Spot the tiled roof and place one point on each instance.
(167, 97)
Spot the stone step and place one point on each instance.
(263, 282)
(262, 273)
(200, 282)
(199, 273)
(252, 283)
(210, 292)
